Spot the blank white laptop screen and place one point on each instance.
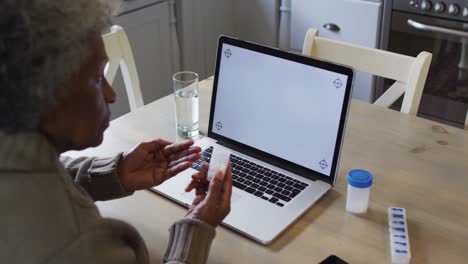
(285, 108)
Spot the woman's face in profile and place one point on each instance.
(79, 119)
(94, 94)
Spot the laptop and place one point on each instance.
(282, 116)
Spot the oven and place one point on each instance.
(440, 28)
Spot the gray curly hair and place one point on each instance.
(43, 43)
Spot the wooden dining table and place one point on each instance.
(416, 163)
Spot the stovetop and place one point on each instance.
(449, 9)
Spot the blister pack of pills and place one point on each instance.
(399, 240)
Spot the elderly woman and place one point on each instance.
(54, 98)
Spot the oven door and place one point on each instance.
(445, 95)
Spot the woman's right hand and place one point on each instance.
(213, 199)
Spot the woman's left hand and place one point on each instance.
(151, 163)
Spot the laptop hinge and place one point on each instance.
(231, 146)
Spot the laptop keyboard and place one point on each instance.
(255, 179)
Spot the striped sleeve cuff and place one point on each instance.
(189, 241)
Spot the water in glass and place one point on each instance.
(187, 115)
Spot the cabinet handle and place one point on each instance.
(332, 27)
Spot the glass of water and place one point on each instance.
(186, 103)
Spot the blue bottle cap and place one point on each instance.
(359, 178)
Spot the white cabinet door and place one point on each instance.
(150, 39)
(358, 22)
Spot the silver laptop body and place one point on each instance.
(282, 117)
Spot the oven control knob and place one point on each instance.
(454, 9)
(439, 7)
(426, 5)
(414, 3)
(465, 12)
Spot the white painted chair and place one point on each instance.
(120, 55)
(408, 72)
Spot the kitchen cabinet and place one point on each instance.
(257, 21)
(201, 22)
(147, 24)
(353, 21)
